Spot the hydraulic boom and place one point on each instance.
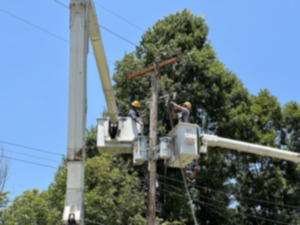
(215, 141)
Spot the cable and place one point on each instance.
(111, 12)
(37, 157)
(37, 164)
(33, 25)
(31, 148)
(201, 196)
(117, 35)
(105, 28)
(201, 202)
(195, 200)
(240, 213)
(238, 198)
(93, 222)
(62, 4)
(120, 17)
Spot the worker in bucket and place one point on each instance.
(184, 113)
(134, 112)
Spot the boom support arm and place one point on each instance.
(215, 141)
(99, 53)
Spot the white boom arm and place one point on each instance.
(215, 141)
(99, 53)
(83, 23)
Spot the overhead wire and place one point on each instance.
(29, 162)
(214, 200)
(105, 28)
(186, 196)
(33, 25)
(31, 148)
(93, 222)
(120, 17)
(29, 155)
(238, 198)
(240, 213)
(198, 195)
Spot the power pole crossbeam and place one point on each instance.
(152, 68)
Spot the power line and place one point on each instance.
(33, 25)
(240, 213)
(117, 35)
(29, 162)
(103, 27)
(120, 17)
(24, 154)
(186, 196)
(238, 198)
(93, 222)
(199, 195)
(31, 148)
(62, 4)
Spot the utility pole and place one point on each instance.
(152, 144)
(153, 133)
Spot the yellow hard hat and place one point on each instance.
(188, 105)
(136, 103)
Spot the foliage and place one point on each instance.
(221, 105)
(112, 195)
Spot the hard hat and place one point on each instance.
(188, 105)
(136, 104)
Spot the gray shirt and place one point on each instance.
(184, 115)
(134, 114)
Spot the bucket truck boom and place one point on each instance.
(215, 141)
(114, 133)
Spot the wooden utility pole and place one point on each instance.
(152, 134)
(152, 145)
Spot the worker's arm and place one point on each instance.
(177, 106)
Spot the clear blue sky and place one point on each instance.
(257, 40)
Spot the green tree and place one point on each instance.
(220, 105)
(26, 209)
(112, 193)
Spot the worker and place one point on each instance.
(184, 113)
(134, 112)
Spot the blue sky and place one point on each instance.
(257, 40)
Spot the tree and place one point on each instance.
(199, 77)
(222, 106)
(3, 175)
(28, 208)
(113, 194)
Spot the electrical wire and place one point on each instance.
(120, 17)
(93, 222)
(198, 195)
(62, 4)
(238, 198)
(24, 154)
(117, 35)
(105, 28)
(210, 199)
(29, 162)
(186, 196)
(33, 25)
(31, 148)
(240, 213)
